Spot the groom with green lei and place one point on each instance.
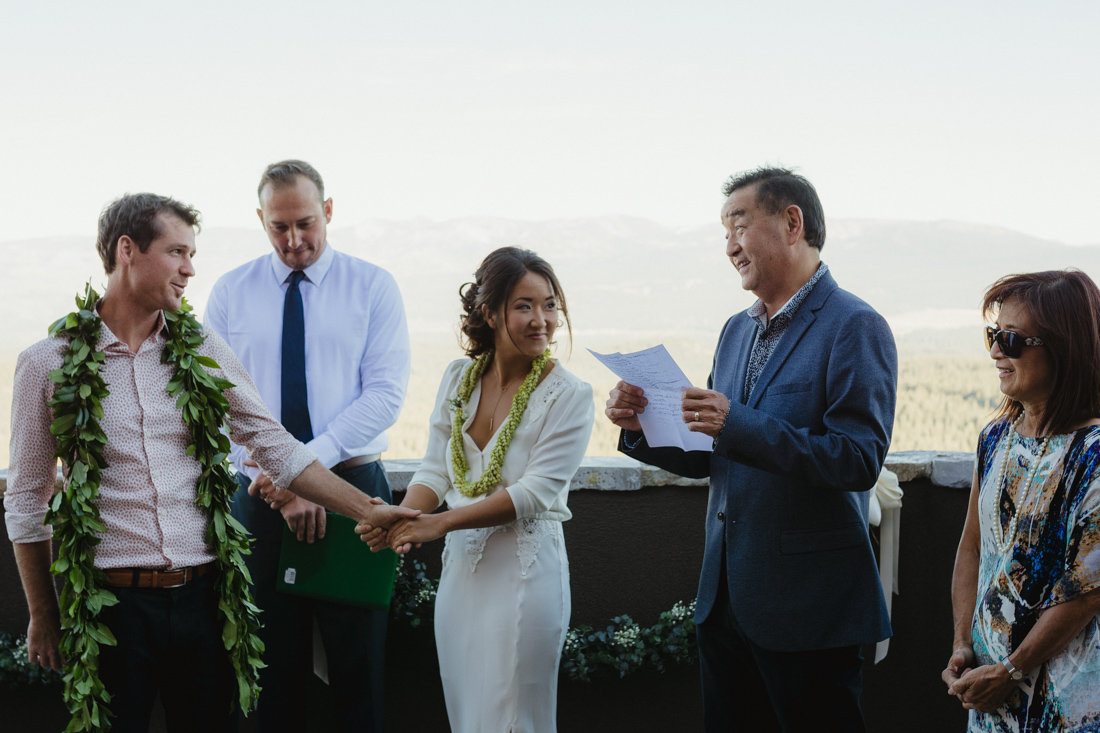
(132, 395)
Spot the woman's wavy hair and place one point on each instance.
(494, 281)
(1064, 308)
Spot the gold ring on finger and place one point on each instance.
(696, 416)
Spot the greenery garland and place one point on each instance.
(618, 650)
(491, 476)
(74, 515)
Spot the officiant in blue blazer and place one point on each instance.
(800, 404)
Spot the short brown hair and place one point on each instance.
(285, 173)
(1064, 308)
(135, 216)
(494, 280)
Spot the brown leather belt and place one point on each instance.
(357, 461)
(146, 578)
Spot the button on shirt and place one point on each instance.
(357, 346)
(147, 492)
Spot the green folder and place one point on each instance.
(340, 568)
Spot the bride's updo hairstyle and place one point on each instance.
(495, 279)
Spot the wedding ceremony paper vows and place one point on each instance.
(658, 374)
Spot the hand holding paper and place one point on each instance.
(652, 388)
(624, 404)
(705, 410)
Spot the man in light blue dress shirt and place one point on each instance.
(339, 397)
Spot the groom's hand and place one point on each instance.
(384, 515)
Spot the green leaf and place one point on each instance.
(62, 424)
(206, 361)
(229, 633)
(102, 634)
(85, 391)
(58, 325)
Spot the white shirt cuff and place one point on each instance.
(23, 528)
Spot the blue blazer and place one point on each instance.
(791, 472)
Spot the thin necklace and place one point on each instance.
(1004, 542)
(503, 388)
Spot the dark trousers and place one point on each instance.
(749, 688)
(169, 640)
(354, 638)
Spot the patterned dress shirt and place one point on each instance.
(147, 492)
(768, 332)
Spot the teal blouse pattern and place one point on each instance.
(1055, 558)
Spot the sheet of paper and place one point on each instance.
(662, 379)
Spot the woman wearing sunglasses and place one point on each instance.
(1026, 587)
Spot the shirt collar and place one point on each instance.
(759, 313)
(108, 342)
(315, 273)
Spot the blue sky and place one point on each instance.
(982, 112)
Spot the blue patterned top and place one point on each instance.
(1055, 558)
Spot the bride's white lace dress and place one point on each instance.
(503, 605)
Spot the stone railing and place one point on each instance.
(621, 473)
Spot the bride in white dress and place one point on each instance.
(503, 606)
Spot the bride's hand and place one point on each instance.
(403, 536)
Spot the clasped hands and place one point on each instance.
(704, 410)
(982, 688)
(403, 534)
(306, 519)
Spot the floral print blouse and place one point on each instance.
(1054, 558)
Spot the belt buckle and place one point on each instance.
(187, 577)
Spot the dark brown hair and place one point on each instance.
(1064, 308)
(494, 281)
(135, 216)
(285, 173)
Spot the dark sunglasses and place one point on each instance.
(1012, 344)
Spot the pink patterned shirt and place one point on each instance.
(147, 493)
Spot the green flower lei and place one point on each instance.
(491, 476)
(74, 515)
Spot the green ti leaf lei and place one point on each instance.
(490, 477)
(74, 515)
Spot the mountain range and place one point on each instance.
(624, 276)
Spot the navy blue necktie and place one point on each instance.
(294, 393)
